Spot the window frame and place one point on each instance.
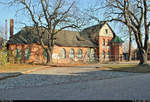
(80, 54)
(63, 53)
(72, 53)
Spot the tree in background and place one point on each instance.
(53, 15)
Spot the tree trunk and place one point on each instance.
(143, 57)
(130, 45)
(49, 56)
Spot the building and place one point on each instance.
(95, 43)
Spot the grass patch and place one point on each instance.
(128, 68)
(17, 67)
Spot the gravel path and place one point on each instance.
(55, 76)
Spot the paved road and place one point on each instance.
(131, 87)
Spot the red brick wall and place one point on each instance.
(36, 54)
(57, 50)
(104, 48)
(116, 52)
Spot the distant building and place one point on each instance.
(95, 43)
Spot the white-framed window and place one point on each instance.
(71, 53)
(62, 53)
(79, 53)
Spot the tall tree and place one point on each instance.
(54, 16)
(133, 14)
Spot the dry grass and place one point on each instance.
(127, 68)
(17, 67)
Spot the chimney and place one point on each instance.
(11, 27)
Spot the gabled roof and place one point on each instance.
(29, 35)
(93, 31)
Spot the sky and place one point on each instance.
(7, 12)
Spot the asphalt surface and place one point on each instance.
(121, 88)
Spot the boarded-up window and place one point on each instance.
(71, 53)
(62, 53)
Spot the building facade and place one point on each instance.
(97, 43)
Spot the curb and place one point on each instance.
(21, 73)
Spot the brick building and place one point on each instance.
(95, 43)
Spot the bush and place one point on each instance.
(3, 55)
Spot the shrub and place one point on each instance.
(3, 55)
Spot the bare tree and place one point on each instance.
(134, 15)
(54, 16)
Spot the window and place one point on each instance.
(103, 55)
(106, 31)
(45, 54)
(108, 54)
(103, 42)
(18, 53)
(71, 53)
(107, 42)
(27, 53)
(62, 53)
(79, 53)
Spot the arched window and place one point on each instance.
(62, 53)
(79, 53)
(103, 54)
(18, 53)
(27, 53)
(45, 54)
(71, 53)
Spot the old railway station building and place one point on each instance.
(97, 43)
